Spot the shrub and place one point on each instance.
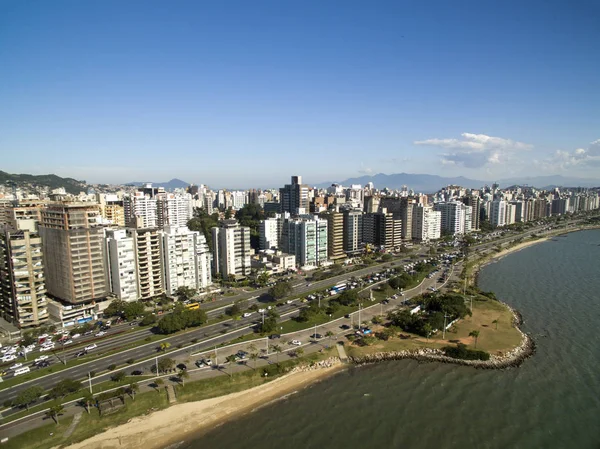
(130, 361)
(460, 351)
(112, 367)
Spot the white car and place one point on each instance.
(9, 358)
(16, 365)
(90, 347)
(247, 314)
(262, 310)
(100, 334)
(41, 358)
(289, 301)
(46, 348)
(76, 336)
(67, 342)
(43, 336)
(296, 342)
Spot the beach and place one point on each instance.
(171, 426)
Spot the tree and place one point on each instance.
(29, 396)
(118, 376)
(427, 329)
(54, 412)
(64, 387)
(278, 350)
(386, 257)
(474, 334)
(299, 352)
(263, 278)
(165, 364)
(234, 310)
(254, 357)
(86, 400)
(329, 334)
(148, 319)
(281, 290)
(185, 293)
(28, 339)
(164, 346)
(133, 389)
(182, 375)
(496, 323)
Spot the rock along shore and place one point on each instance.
(511, 359)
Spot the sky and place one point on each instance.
(245, 93)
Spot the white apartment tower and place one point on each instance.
(231, 249)
(122, 264)
(498, 213)
(453, 216)
(426, 223)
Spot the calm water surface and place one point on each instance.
(552, 401)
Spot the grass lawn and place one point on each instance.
(485, 311)
(41, 437)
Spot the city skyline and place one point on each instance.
(206, 94)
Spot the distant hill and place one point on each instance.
(432, 183)
(417, 182)
(170, 185)
(52, 181)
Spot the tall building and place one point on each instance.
(294, 197)
(148, 261)
(270, 231)
(453, 215)
(123, 274)
(74, 252)
(23, 298)
(173, 209)
(140, 210)
(335, 235)
(306, 238)
(498, 213)
(111, 208)
(382, 230)
(474, 202)
(231, 249)
(185, 255)
(426, 223)
(353, 231)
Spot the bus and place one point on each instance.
(23, 370)
(338, 288)
(193, 306)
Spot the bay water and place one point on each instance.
(551, 401)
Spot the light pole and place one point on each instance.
(157, 366)
(444, 331)
(359, 308)
(267, 342)
(90, 382)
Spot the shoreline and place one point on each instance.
(176, 425)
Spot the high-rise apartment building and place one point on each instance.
(353, 231)
(111, 208)
(294, 197)
(335, 235)
(74, 252)
(498, 213)
(148, 262)
(382, 230)
(426, 223)
(173, 209)
(270, 231)
(23, 298)
(140, 210)
(122, 264)
(306, 238)
(185, 255)
(232, 249)
(453, 214)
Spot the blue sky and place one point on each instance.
(247, 93)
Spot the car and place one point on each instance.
(316, 336)
(15, 366)
(3, 373)
(262, 310)
(274, 336)
(296, 342)
(241, 355)
(289, 301)
(80, 354)
(137, 372)
(344, 327)
(208, 361)
(88, 333)
(90, 347)
(43, 364)
(133, 323)
(247, 314)
(67, 342)
(46, 348)
(41, 358)
(9, 358)
(100, 334)
(182, 366)
(385, 301)
(200, 363)
(75, 335)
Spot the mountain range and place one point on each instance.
(169, 185)
(432, 183)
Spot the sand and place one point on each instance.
(172, 425)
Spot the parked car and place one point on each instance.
(344, 327)
(137, 372)
(247, 314)
(200, 363)
(182, 366)
(296, 342)
(274, 336)
(100, 334)
(76, 336)
(316, 336)
(241, 355)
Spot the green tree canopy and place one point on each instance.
(281, 290)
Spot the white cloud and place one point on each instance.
(365, 170)
(579, 158)
(477, 150)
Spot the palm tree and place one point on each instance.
(329, 334)
(54, 411)
(254, 357)
(133, 389)
(183, 374)
(158, 382)
(86, 400)
(164, 346)
(474, 334)
(496, 323)
(278, 350)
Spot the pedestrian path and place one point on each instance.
(74, 423)
(171, 394)
(342, 353)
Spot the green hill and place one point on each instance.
(52, 181)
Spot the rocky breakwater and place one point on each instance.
(510, 359)
(327, 363)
